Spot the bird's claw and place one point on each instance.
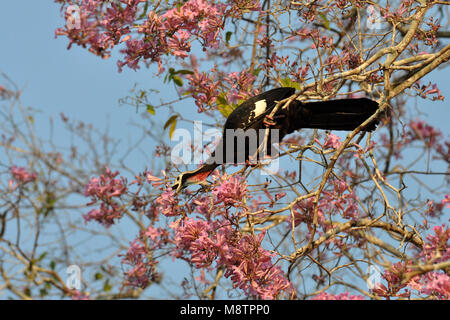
(268, 121)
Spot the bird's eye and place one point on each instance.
(178, 180)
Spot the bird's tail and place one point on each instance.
(344, 114)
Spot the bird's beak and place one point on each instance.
(177, 187)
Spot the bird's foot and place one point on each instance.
(268, 121)
(251, 163)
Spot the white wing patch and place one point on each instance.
(260, 107)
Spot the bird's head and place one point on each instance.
(180, 182)
(188, 178)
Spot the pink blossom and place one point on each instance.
(77, 295)
(106, 215)
(394, 277)
(142, 264)
(304, 212)
(332, 142)
(157, 236)
(230, 191)
(105, 25)
(21, 176)
(435, 208)
(249, 266)
(253, 271)
(341, 296)
(434, 284)
(179, 44)
(241, 85)
(194, 236)
(338, 201)
(106, 186)
(446, 200)
(104, 189)
(436, 247)
(167, 204)
(203, 88)
(419, 130)
(203, 205)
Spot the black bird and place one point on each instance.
(344, 114)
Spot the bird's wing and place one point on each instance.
(256, 108)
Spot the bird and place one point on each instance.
(254, 115)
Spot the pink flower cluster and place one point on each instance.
(348, 59)
(426, 91)
(241, 85)
(142, 270)
(167, 204)
(434, 284)
(332, 142)
(394, 276)
(5, 93)
(21, 176)
(437, 249)
(104, 189)
(140, 257)
(77, 295)
(217, 238)
(230, 191)
(339, 200)
(203, 87)
(103, 25)
(98, 24)
(419, 130)
(341, 296)
(247, 264)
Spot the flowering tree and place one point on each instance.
(348, 217)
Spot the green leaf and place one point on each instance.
(150, 109)
(183, 71)
(27, 291)
(43, 292)
(256, 71)
(107, 287)
(42, 256)
(326, 23)
(177, 80)
(221, 99)
(172, 122)
(172, 129)
(98, 276)
(52, 265)
(228, 37)
(169, 121)
(287, 82)
(223, 106)
(225, 110)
